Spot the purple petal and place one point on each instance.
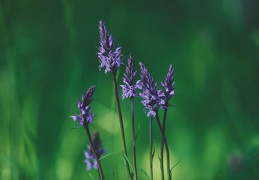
(151, 114)
(75, 118)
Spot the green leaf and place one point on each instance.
(144, 172)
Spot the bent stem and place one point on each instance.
(151, 147)
(95, 153)
(166, 147)
(124, 149)
(133, 138)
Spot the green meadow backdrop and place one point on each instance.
(48, 59)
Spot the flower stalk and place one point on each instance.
(133, 139)
(84, 119)
(96, 155)
(151, 155)
(169, 92)
(166, 147)
(129, 90)
(162, 146)
(110, 59)
(124, 148)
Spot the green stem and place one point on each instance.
(133, 138)
(162, 146)
(101, 177)
(124, 149)
(166, 147)
(151, 147)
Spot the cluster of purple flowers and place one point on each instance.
(84, 118)
(152, 97)
(146, 88)
(129, 89)
(168, 85)
(86, 115)
(110, 57)
(90, 159)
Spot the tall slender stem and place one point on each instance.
(133, 138)
(162, 146)
(166, 147)
(124, 149)
(151, 147)
(95, 153)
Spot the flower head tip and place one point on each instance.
(86, 115)
(152, 98)
(168, 84)
(129, 89)
(109, 57)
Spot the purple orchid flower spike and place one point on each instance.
(86, 116)
(168, 85)
(109, 57)
(129, 89)
(152, 98)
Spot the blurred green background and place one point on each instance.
(48, 59)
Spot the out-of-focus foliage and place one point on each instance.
(48, 59)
